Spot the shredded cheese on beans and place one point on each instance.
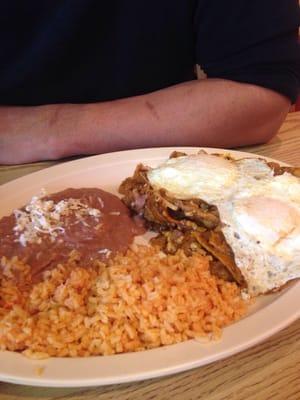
(41, 216)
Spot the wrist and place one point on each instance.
(67, 131)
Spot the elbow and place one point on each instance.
(273, 122)
(263, 135)
(265, 124)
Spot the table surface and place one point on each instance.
(270, 370)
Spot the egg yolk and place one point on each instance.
(268, 220)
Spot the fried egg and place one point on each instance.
(264, 235)
(259, 212)
(209, 177)
(202, 175)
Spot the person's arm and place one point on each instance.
(213, 112)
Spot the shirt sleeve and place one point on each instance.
(250, 41)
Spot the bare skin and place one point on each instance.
(212, 112)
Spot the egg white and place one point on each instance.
(204, 176)
(210, 177)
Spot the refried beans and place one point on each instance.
(100, 229)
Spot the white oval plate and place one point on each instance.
(269, 315)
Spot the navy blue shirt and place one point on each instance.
(78, 51)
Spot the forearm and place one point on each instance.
(208, 113)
